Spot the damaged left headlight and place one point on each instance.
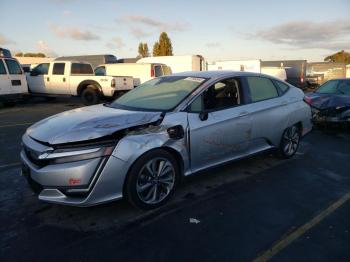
(64, 155)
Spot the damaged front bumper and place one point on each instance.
(331, 115)
(78, 183)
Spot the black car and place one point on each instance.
(330, 103)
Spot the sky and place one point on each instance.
(216, 29)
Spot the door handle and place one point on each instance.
(283, 103)
(64, 79)
(244, 113)
(47, 79)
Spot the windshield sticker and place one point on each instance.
(195, 79)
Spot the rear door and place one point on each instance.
(17, 78)
(5, 84)
(58, 83)
(269, 116)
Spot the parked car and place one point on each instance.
(179, 63)
(140, 72)
(13, 84)
(94, 60)
(330, 103)
(140, 145)
(75, 79)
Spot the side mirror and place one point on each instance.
(203, 116)
(34, 73)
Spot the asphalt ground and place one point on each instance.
(261, 208)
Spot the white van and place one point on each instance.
(140, 72)
(13, 83)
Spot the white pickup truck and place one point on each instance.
(75, 79)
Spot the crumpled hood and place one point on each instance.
(324, 101)
(87, 123)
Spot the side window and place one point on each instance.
(13, 67)
(2, 68)
(344, 87)
(100, 71)
(282, 86)
(42, 69)
(197, 105)
(81, 69)
(158, 71)
(58, 69)
(223, 94)
(261, 88)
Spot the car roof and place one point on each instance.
(215, 73)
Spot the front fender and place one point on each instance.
(131, 147)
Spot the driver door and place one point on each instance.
(38, 79)
(219, 125)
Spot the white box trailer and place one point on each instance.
(253, 66)
(237, 65)
(178, 64)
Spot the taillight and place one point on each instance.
(113, 83)
(152, 72)
(308, 100)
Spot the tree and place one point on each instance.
(341, 56)
(19, 54)
(156, 49)
(163, 47)
(34, 55)
(143, 50)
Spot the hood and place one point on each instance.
(324, 101)
(88, 123)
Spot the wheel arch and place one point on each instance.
(168, 149)
(84, 84)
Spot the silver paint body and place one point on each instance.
(226, 135)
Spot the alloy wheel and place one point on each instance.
(291, 139)
(155, 180)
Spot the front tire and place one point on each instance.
(290, 142)
(152, 179)
(90, 96)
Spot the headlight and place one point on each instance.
(76, 154)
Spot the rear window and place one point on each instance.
(58, 69)
(2, 68)
(13, 67)
(158, 71)
(282, 86)
(100, 71)
(166, 70)
(81, 69)
(261, 88)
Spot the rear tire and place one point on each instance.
(90, 96)
(290, 141)
(146, 189)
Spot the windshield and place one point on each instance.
(159, 94)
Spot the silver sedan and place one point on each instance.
(140, 145)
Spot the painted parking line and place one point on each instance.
(284, 242)
(10, 165)
(13, 125)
